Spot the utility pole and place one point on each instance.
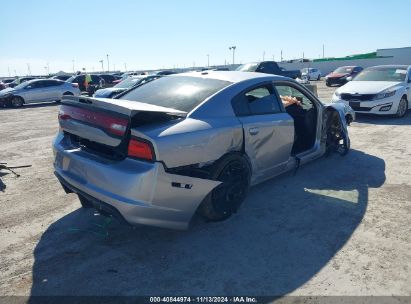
(102, 65)
(28, 69)
(73, 66)
(208, 60)
(8, 68)
(108, 64)
(48, 68)
(233, 49)
(125, 67)
(281, 55)
(323, 52)
(264, 56)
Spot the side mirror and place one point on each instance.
(349, 78)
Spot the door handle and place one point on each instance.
(254, 131)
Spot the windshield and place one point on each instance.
(396, 74)
(344, 70)
(22, 85)
(182, 93)
(248, 67)
(128, 83)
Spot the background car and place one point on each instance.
(190, 142)
(342, 75)
(381, 90)
(7, 81)
(269, 67)
(108, 79)
(97, 81)
(61, 77)
(16, 82)
(34, 91)
(124, 85)
(2, 85)
(311, 73)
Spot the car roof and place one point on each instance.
(396, 66)
(230, 76)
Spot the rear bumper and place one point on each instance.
(136, 191)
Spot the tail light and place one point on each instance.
(139, 148)
(113, 125)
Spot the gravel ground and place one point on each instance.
(341, 226)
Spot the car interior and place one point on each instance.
(304, 113)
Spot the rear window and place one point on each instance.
(182, 93)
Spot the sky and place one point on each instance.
(52, 35)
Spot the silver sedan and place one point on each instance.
(191, 142)
(38, 90)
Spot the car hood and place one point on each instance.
(7, 91)
(367, 87)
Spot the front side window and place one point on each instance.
(290, 95)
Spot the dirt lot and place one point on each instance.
(341, 226)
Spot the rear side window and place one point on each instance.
(183, 93)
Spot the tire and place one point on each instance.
(16, 102)
(85, 203)
(327, 84)
(68, 94)
(234, 172)
(402, 108)
(319, 77)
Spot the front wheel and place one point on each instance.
(402, 108)
(16, 102)
(234, 172)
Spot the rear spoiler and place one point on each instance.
(125, 107)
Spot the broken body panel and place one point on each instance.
(166, 191)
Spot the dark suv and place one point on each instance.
(97, 81)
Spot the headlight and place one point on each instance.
(384, 95)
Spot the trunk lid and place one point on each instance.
(102, 125)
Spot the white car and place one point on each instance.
(311, 74)
(383, 90)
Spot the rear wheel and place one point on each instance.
(16, 102)
(402, 108)
(235, 174)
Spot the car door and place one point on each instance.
(268, 130)
(50, 91)
(33, 92)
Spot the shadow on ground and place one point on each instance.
(33, 105)
(383, 120)
(287, 230)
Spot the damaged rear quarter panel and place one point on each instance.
(193, 141)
